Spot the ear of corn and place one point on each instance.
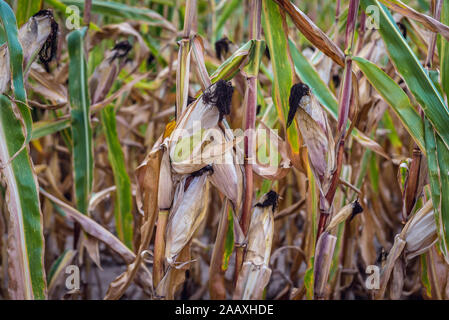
(187, 214)
(255, 272)
(322, 263)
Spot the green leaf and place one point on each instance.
(9, 24)
(444, 53)
(228, 9)
(233, 64)
(276, 40)
(443, 221)
(413, 73)
(57, 268)
(26, 9)
(425, 275)
(309, 279)
(27, 245)
(392, 132)
(57, 4)
(123, 198)
(310, 76)
(396, 98)
(229, 241)
(47, 127)
(26, 250)
(80, 120)
(121, 10)
(432, 164)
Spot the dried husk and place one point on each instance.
(397, 280)
(316, 133)
(417, 237)
(421, 235)
(124, 29)
(197, 140)
(227, 174)
(323, 259)
(255, 273)
(32, 36)
(166, 185)
(272, 160)
(187, 214)
(349, 210)
(228, 179)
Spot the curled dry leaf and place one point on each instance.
(95, 230)
(314, 34)
(125, 29)
(148, 179)
(105, 74)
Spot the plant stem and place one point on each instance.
(183, 71)
(345, 103)
(250, 121)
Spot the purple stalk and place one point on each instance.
(250, 122)
(345, 103)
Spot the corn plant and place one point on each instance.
(212, 149)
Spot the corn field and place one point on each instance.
(224, 149)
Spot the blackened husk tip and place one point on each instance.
(271, 199)
(356, 209)
(297, 91)
(220, 95)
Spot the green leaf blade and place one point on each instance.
(24, 208)
(413, 73)
(396, 98)
(80, 120)
(123, 199)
